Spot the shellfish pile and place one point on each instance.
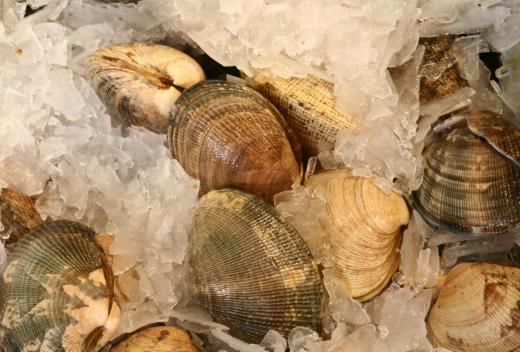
(305, 198)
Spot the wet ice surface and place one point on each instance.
(57, 139)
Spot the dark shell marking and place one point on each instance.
(18, 214)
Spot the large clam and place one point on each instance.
(156, 339)
(56, 293)
(478, 309)
(355, 227)
(472, 177)
(18, 214)
(140, 82)
(228, 135)
(250, 269)
(309, 106)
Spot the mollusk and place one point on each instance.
(478, 309)
(56, 293)
(156, 339)
(18, 214)
(228, 135)
(250, 269)
(140, 82)
(472, 177)
(309, 106)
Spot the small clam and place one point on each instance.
(472, 177)
(250, 269)
(228, 135)
(156, 339)
(478, 309)
(140, 82)
(56, 293)
(309, 106)
(18, 214)
(356, 228)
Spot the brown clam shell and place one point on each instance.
(140, 82)
(18, 214)
(309, 106)
(478, 309)
(250, 269)
(228, 135)
(156, 339)
(471, 182)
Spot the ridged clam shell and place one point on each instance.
(250, 269)
(156, 339)
(56, 293)
(18, 214)
(363, 231)
(469, 186)
(478, 309)
(140, 82)
(309, 106)
(228, 135)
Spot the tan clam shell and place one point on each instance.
(140, 82)
(478, 309)
(56, 292)
(18, 214)
(156, 339)
(309, 106)
(363, 230)
(250, 269)
(471, 178)
(228, 135)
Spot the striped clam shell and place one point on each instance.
(18, 214)
(228, 135)
(309, 106)
(140, 82)
(56, 293)
(250, 269)
(156, 339)
(478, 309)
(472, 177)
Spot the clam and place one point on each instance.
(228, 135)
(156, 339)
(18, 214)
(250, 269)
(140, 82)
(56, 292)
(478, 309)
(472, 177)
(355, 228)
(309, 106)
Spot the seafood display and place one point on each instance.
(156, 339)
(56, 293)
(250, 269)
(472, 177)
(308, 104)
(228, 135)
(140, 82)
(477, 309)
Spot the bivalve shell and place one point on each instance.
(250, 269)
(18, 214)
(156, 339)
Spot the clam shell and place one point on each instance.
(250, 269)
(362, 231)
(469, 186)
(156, 339)
(140, 82)
(478, 309)
(309, 106)
(18, 214)
(57, 292)
(228, 135)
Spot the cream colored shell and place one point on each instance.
(362, 229)
(157, 339)
(478, 309)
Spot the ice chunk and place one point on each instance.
(3, 257)
(300, 337)
(509, 75)
(504, 34)
(274, 342)
(63, 94)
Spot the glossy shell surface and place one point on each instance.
(478, 309)
(56, 292)
(140, 82)
(250, 269)
(156, 339)
(18, 214)
(228, 135)
(471, 182)
(362, 230)
(309, 106)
